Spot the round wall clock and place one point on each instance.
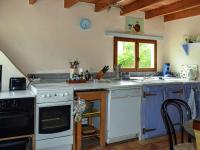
(85, 24)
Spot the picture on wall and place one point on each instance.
(135, 25)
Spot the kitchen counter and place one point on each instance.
(86, 86)
(104, 84)
(108, 84)
(16, 94)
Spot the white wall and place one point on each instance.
(174, 32)
(44, 37)
(8, 70)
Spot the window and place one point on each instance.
(135, 54)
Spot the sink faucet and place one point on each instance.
(117, 70)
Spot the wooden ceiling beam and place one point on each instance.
(183, 14)
(103, 4)
(32, 2)
(138, 5)
(70, 3)
(171, 8)
(88, 1)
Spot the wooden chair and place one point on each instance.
(180, 105)
(196, 127)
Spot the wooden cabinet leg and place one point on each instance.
(74, 138)
(102, 122)
(78, 136)
(33, 142)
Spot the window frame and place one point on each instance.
(137, 41)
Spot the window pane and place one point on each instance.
(126, 54)
(146, 55)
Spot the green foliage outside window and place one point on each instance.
(127, 58)
(145, 55)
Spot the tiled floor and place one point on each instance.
(160, 143)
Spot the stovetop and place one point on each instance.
(52, 92)
(49, 86)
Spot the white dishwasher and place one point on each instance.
(123, 114)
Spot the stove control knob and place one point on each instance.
(61, 94)
(48, 95)
(3, 105)
(66, 94)
(14, 104)
(43, 96)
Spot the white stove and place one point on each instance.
(54, 116)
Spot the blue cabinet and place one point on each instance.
(152, 123)
(153, 97)
(188, 87)
(196, 87)
(174, 91)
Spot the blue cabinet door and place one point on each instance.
(152, 123)
(188, 87)
(174, 91)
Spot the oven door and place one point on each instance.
(16, 144)
(16, 124)
(54, 120)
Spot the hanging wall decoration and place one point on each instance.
(135, 25)
(188, 41)
(85, 24)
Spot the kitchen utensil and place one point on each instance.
(101, 73)
(87, 75)
(117, 70)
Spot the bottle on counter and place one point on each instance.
(87, 75)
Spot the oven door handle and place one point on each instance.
(13, 143)
(55, 104)
(12, 115)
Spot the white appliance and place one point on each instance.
(54, 116)
(123, 114)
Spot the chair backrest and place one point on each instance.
(196, 127)
(182, 107)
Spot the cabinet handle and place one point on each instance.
(145, 130)
(148, 94)
(178, 92)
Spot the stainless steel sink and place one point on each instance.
(156, 79)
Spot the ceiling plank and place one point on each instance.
(32, 2)
(171, 8)
(70, 3)
(138, 5)
(103, 4)
(89, 1)
(183, 14)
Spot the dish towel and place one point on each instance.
(192, 104)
